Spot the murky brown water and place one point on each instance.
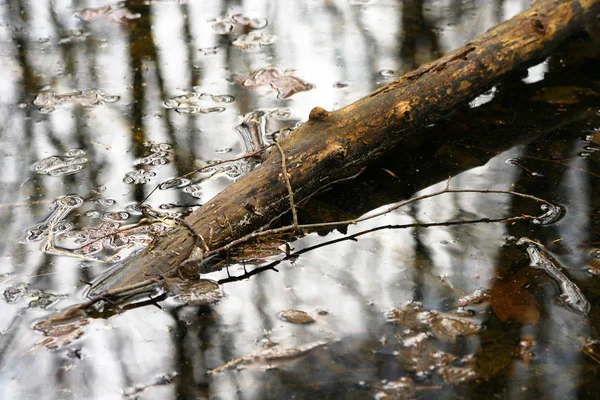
(103, 102)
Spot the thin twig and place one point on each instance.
(396, 206)
(295, 254)
(288, 185)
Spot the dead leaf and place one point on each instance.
(511, 301)
(563, 94)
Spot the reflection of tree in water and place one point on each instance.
(419, 41)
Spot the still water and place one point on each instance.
(102, 102)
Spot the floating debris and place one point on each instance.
(237, 24)
(254, 41)
(270, 356)
(551, 214)
(571, 295)
(419, 354)
(37, 298)
(444, 326)
(71, 163)
(117, 12)
(61, 333)
(74, 36)
(285, 84)
(198, 103)
(259, 127)
(55, 221)
(403, 388)
(195, 291)
(133, 393)
(478, 296)
(49, 101)
(296, 316)
(105, 202)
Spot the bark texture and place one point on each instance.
(332, 146)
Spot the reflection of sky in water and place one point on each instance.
(355, 282)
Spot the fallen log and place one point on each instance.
(333, 146)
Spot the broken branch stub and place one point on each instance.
(335, 145)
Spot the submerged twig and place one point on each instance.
(396, 206)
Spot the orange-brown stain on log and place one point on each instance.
(402, 112)
(464, 85)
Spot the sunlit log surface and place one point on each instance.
(332, 146)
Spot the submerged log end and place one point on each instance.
(318, 114)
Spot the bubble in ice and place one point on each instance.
(63, 226)
(210, 110)
(223, 150)
(254, 41)
(115, 216)
(158, 154)
(70, 201)
(49, 101)
(253, 23)
(75, 153)
(71, 163)
(388, 73)
(194, 191)
(92, 214)
(234, 172)
(134, 209)
(55, 222)
(222, 27)
(175, 183)
(138, 177)
(68, 170)
(152, 160)
(105, 202)
(222, 98)
(237, 24)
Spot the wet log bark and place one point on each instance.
(332, 146)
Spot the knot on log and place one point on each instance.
(539, 26)
(402, 111)
(338, 154)
(318, 114)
